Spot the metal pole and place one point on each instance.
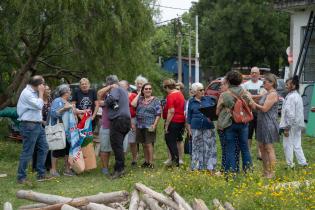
(197, 54)
(189, 57)
(179, 63)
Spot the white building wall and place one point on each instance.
(299, 20)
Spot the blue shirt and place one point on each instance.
(56, 105)
(29, 107)
(195, 118)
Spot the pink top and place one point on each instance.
(105, 119)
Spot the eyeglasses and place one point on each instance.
(147, 88)
(201, 90)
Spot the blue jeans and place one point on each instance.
(223, 143)
(32, 134)
(236, 139)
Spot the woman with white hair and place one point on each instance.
(201, 128)
(59, 107)
(139, 82)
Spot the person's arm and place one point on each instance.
(36, 103)
(97, 106)
(170, 115)
(158, 110)
(102, 92)
(134, 102)
(189, 115)
(112, 97)
(271, 99)
(219, 105)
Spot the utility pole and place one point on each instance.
(179, 56)
(197, 54)
(189, 56)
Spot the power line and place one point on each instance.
(167, 20)
(168, 7)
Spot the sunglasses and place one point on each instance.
(147, 88)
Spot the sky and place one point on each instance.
(167, 13)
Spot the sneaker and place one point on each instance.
(68, 173)
(105, 171)
(54, 174)
(305, 165)
(118, 174)
(44, 178)
(23, 181)
(144, 165)
(150, 165)
(134, 163)
(181, 162)
(168, 162)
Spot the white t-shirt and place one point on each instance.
(255, 88)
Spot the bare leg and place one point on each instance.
(149, 148)
(264, 160)
(134, 151)
(180, 147)
(53, 169)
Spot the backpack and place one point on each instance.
(241, 112)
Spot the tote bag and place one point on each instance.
(55, 136)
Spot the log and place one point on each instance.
(228, 206)
(142, 205)
(134, 200)
(199, 204)
(73, 203)
(32, 206)
(111, 197)
(152, 203)
(68, 207)
(117, 206)
(217, 204)
(177, 198)
(158, 196)
(7, 206)
(96, 206)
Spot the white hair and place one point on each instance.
(141, 79)
(196, 86)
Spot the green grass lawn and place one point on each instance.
(249, 191)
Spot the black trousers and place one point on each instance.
(174, 134)
(119, 127)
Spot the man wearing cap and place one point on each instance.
(254, 86)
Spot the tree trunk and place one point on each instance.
(111, 197)
(32, 206)
(199, 204)
(158, 196)
(152, 203)
(142, 205)
(74, 203)
(134, 201)
(177, 198)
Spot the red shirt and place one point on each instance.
(175, 100)
(132, 109)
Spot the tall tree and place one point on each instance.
(71, 39)
(241, 33)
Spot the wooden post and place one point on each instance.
(67, 207)
(142, 205)
(134, 201)
(32, 206)
(96, 206)
(177, 198)
(158, 196)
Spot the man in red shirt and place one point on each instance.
(173, 113)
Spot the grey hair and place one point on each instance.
(62, 89)
(141, 79)
(111, 79)
(195, 86)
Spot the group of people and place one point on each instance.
(130, 118)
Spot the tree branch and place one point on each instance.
(60, 70)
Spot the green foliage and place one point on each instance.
(87, 38)
(241, 33)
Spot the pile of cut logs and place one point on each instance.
(142, 198)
